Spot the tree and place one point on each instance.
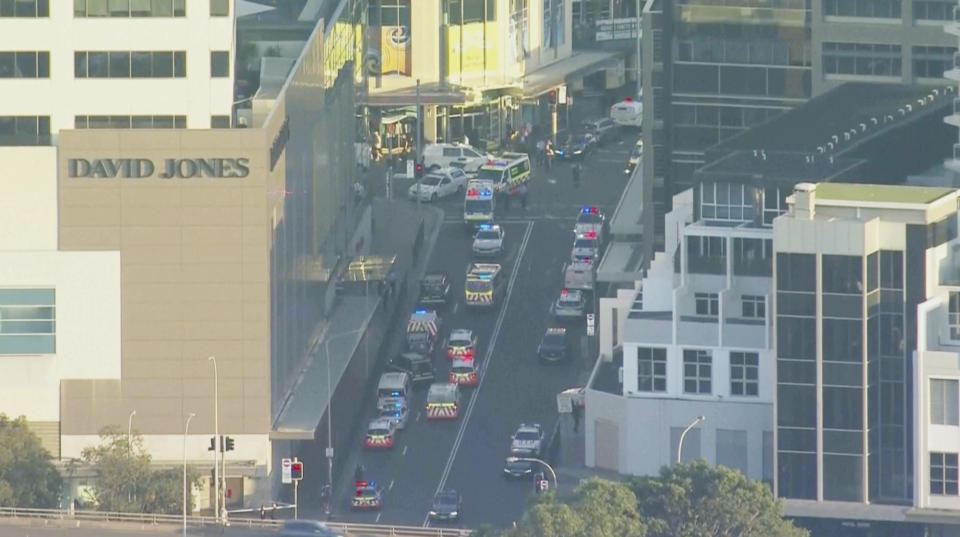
(599, 508)
(28, 477)
(698, 500)
(127, 482)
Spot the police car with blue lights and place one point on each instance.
(478, 203)
(488, 241)
(397, 415)
(590, 219)
(367, 495)
(569, 305)
(585, 245)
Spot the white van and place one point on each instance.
(436, 156)
(628, 113)
(393, 390)
(578, 275)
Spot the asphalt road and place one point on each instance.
(468, 454)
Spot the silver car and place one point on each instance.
(586, 247)
(569, 305)
(488, 241)
(397, 415)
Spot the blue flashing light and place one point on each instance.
(485, 227)
(372, 484)
(420, 311)
(588, 210)
(396, 405)
(395, 394)
(483, 276)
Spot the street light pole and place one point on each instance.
(216, 438)
(130, 429)
(693, 424)
(186, 428)
(326, 356)
(639, 70)
(556, 484)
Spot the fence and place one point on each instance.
(161, 519)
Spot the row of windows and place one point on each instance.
(726, 201)
(724, 116)
(697, 371)
(124, 64)
(25, 8)
(758, 51)
(28, 319)
(870, 59)
(934, 10)
(863, 8)
(752, 306)
(143, 8)
(24, 130)
(130, 122)
(741, 80)
(25, 64)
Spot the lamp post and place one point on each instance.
(326, 356)
(694, 423)
(130, 429)
(186, 428)
(216, 438)
(556, 484)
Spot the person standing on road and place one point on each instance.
(548, 152)
(577, 411)
(523, 196)
(575, 169)
(541, 145)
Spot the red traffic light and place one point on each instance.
(553, 96)
(296, 470)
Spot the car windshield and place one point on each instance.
(433, 285)
(478, 206)
(446, 498)
(569, 301)
(389, 392)
(585, 243)
(478, 286)
(486, 174)
(553, 340)
(460, 342)
(431, 180)
(527, 435)
(588, 218)
(438, 397)
(488, 234)
(462, 369)
(378, 432)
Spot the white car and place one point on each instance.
(627, 113)
(396, 415)
(436, 156)
(488, 240)
(586, 247)
(439, 184)
(589, 219)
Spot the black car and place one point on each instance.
(419, 367)
(553, 346)
(515, 466)
(577, 146)
(434, 288)
(446, 506)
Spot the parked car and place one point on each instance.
(439, 184)
(577, 146)
(553, 345)
(446, 505)
(436, 156)
(604, 129)
(419, 367)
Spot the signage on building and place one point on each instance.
(279, 142)
(286, 476)
(171, 168)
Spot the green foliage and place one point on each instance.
(126, 481)
(599, 508)
(699, 500)
(27, 475)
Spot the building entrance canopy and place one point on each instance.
(557, 74)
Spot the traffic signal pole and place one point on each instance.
(417, 152)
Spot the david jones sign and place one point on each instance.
(171, 168)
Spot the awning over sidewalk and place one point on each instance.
(557, 74)
(429, 94)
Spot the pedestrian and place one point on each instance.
(273, 512)
(548, 152)
(576, 174)
(263, 512)
(377, 146)
(541, 146)
(523, 196)
(577, 410)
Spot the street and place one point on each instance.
(467, 454)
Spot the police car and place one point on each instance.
(589, 219)
(380, 434)
(463, 372)
(438, 184)
(488, 240)
(397, 415)
(462, 343)
(569, 305)
(553, 346)
(527, 441)
(367, 495)
(585, 245)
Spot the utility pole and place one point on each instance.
(639, 70)
(417, 152)
(216, 439)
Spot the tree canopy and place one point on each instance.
(599, 508)
(127, 482)
(28, 477)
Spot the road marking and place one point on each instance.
(402, 454)
(418, 419)
(552, 181)
(455, 306)
(378, 517)
(488, 357)
(390, 486)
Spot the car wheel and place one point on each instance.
(433, 197)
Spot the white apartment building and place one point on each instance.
(696, 339)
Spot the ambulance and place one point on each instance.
(507, 172)
(478, 204)
(422, 331)
(484, 284)
(463, 372)
(443, 401)
(393, 390)
(579, 274)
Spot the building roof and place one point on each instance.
(774, 167)
(881, 193)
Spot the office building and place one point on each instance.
(151, 235)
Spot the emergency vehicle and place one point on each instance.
(579, 274)
(507, 172)
(585, 245)
(380, 434)
(463, 372)
(484, 284)
(443, 401)
(590, 219)
(393, 390)
(422, 331)
(478, 203)
(628, 113)
(462, 343)
(367, 495)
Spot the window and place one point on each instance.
(726, 201)
(933, 10)
(953, 315)
(27, 321)
(754, 306)
(468, 11)
(866, 59)
(123, 64)
(129, 8)
(732, 449)
(26, 64)
(24, 130)
(697, 374)
(944, 402)
(744, 373)
(219, 8)
(943, 474)
(651, 369)
(931, 62)
(889, 9)
(219, 64)
(219, 122)
(25, 8)
(519, 22)
(130, 122)
(707, 304)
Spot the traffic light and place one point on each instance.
(229, 444)
(553, 96)
(296, 471)
(418, 169)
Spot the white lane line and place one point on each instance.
(378, 517)
(455, 306)
(418, 418)
(390, 486)
(402, 454)
(488, 357)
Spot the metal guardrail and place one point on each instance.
(158, 519)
